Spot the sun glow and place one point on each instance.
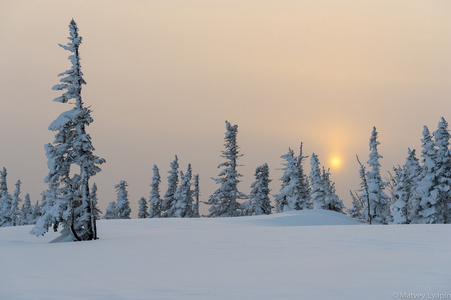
(335, 161)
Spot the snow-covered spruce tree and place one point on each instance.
(433, 188)
(364, 193)
(443, 204)
(259, 202)
(26, 212)
(155, 200)
(224, 201)
(68, 195)
(94, 201)
(404, 193)
(142, 212)
(356, 210)
(111, 211)
(15, 212)
(184, 196)
(380, 206)
(123, 205)
(331, 200)
(196, 195)
(316, 182)
(283, 199)
(294, 193)
(169, 201)
(36, 210)
(5, 201)
(302, 187)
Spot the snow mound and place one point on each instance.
(310, 217)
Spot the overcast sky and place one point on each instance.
(163, 76)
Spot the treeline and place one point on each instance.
(419, 192)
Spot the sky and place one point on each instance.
(164, 76)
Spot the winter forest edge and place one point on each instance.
(418, 191)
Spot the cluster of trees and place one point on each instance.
(12, 213)
(180, 201)
(418, 192)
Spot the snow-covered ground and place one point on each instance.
(282, 256)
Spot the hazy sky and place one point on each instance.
(163, 76)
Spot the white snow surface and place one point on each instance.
(281, 256)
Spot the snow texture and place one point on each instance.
(279, 256)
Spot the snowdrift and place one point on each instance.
(311, 217)
(280, 256)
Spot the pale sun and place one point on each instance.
(335, 161)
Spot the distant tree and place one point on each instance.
(5, 201)
(380, 206)
(68, 195)
(357, 205)
(316, 180)
(111, 211)
(36, 210)
(94, 201)
(196, 195)
(331, 200)
(15, 212)
(364, 197)
(284, 200)
(184, 196)
(169, 201)
(443, 204)
(294, 193)
(142, 212)
(302, 187)
(404, 191)
(26, 213)
(434, 186)
(259, 202)
(224, 201)
(155, 200)
(123, 205)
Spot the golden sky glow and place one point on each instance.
(163, 76)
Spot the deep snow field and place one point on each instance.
(281, 256)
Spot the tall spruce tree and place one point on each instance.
(169, 201)
(259, 202)
(380, 206)
(155, 200)
(69, 200)
(224, 201)
(123, 205)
